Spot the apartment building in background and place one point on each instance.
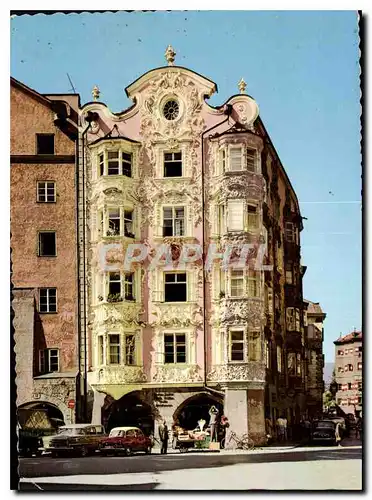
(167, 341)
(314, 337)
(349, 371)
(44, 249)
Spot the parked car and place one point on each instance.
(77, 439)
(324, 431)
(29, 444)
(126, 440)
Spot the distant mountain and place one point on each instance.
(327, 373)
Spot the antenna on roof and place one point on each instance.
(72, 85)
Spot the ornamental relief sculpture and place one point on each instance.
(63, 390)
(249, 372)
(180, 316)
(175, 374)
(235, 312)
(115, 315)
(120, 375)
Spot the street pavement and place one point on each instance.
(278, 468)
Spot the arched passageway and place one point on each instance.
(130, 411)
(196, 408)
(40, 415)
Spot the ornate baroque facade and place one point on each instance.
(172, 170)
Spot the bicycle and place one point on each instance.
(245, 442)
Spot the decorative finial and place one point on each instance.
(95, 93)
(170, 55)
(242, 86)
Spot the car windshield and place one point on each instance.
(325, 425)
(116, 433)
(71, 431)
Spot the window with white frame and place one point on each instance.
(252, 217)
(114, 349)
(221, 219)
(290, 232)
(175, 287)
(100, 347)
(46, 192)
(173, 164)
(254, 346)
(174, 348)
(173, 221)
(115, 162)
(114, 288)
(129, 286)
(293, 319)
(236, 159)
(48, 300)
(253, 284)
(222, 159)
(237, 284)
(128, 224)
(298, 364)
(48, 361)
(236, 345)
(126, 164)
(130, 349)
(235, 221)
(251, 160)
(268, 354)
(113, 222)
(279, 358)
(291, 363)
(289, 274)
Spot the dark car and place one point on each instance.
(77, 439)
(324, 431)
(126, 440)
(29, 444)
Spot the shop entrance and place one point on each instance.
(196, 408)
(131, 411)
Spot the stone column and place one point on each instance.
(99, 399)
(256, 415)
(236, 410)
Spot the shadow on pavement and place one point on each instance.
(85, 487)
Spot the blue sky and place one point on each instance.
(302, 68)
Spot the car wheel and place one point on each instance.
(128, 452)
(148, 450)
(84, 451)
(55, 454)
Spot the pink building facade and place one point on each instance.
(164, 339)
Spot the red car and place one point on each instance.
(126, 440)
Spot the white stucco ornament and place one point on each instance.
(170, 55)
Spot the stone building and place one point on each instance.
(165, 338)
(349, 371)
(314, 337)
(43, 245)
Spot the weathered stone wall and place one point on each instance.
(23, 322)
(28, 117)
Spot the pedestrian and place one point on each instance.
(224, 424)
(269, 429)
(285, 424)
(164, 436)
(338, 434)
(280, 429)
(213, 412)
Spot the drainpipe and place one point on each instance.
(227, 111)
(89, 118)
